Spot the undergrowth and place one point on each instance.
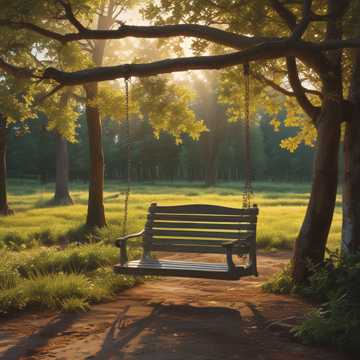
(67, 280)
(336, 288)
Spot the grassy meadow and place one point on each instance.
(282, 208)
(36, 273)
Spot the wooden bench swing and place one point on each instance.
(195, 228)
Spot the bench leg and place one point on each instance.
(229, 259)
(123, 253)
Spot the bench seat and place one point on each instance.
(180, 269)
(207, 229)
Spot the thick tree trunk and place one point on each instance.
(62, 195)
(4, 207)
(351, 193)
(96, 211)
(311, 241)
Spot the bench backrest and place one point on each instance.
(197, 228)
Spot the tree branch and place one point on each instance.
(16, 71)
(34, 28)
(218, 36)
(279, 88)
(284, 13)
(265, 51)
(69, 14)
(300, 28)
(299, 92)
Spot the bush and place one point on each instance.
(336, 286)
(281, 283)
(337, 321)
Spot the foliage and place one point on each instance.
(33, 154)
(336, 285)
(280, 283)
(166, 105)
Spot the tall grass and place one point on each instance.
(50, 278)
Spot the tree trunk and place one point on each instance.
(311, 241)
(96, 211)
(351, 194)
(62, 195)
(4, 207)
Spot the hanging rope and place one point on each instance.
(128, 148)
(248, 191)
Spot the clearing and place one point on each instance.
(172, 319)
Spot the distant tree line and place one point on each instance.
(32, 154)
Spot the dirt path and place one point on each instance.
(171, 319)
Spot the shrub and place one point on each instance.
(336, 286)
(337, 321)
(280, 283)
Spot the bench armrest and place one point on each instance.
(229, 247)
(232, 243)
(121, 240)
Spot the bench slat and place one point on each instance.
(206, 249)
(203, 209)
(200, 242)
(198, 234)
(154, 263)
(194, 225)
(204, 218)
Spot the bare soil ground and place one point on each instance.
(172, 319)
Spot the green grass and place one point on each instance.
(282, 208)
(67, 280)
(36, 274)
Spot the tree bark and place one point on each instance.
(351, 195)
(311, 241)
(62, 194)
(4, 206)
(96, 211)
(310, 244)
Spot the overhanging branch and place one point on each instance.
(233, 40)
(266, 51)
